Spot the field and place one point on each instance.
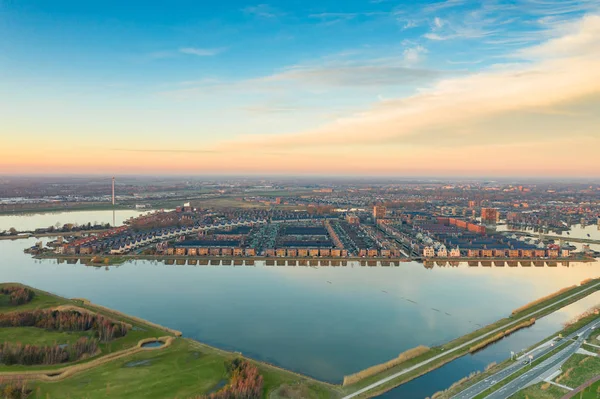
(183, 369)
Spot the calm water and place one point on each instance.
(31, 221)
(325, 322)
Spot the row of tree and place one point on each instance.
(30, 355)
(66, 320)
(17, 295)
(245, 382)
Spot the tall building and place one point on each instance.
(490, 214)
(379, 211)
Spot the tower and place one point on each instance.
(113, 191)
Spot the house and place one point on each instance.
(455, 253)
(473, 253)
(429, 252)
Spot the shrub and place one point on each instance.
(17, 295)
(13, 389)
(245, 382)
(29, 355)
(501, 335)
(66, 320)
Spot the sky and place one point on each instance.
(355, 87)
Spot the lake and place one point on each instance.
(325, 322)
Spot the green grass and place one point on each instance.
(185, 369)
(591, 392)
(580, 368)
(542, 390)
(35, 336)
(179, 371)
(40, 301)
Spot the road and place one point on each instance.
(538, 352)
(555, 360)
(461, 346)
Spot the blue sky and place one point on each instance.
(205, 72)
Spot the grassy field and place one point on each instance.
(176, 372)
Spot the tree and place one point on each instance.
(12, 231)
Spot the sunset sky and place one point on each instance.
(355, 87)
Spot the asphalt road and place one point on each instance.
(466, 344)
(521, 382)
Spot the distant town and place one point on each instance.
(385, 221)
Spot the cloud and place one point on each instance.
(414, 54)
(163, 150)
(355, 75)
(201, 52)
(262, 11)
(560, 70)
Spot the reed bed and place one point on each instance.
(404, 356)
(501, 335)
(542, 299)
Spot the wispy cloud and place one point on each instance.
(201, 52)
(162, 150)
(262, 11)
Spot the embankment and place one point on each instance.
(404, 356)
(123, 315)
(500, 335)
(542, 299)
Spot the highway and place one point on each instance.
(461, 346)
(538, 352)
(554, 361)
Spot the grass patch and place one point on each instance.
(184, 369)
(591, 392)
(175, 372)
(35, 336)
(543, 390)
(582, 368)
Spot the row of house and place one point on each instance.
(212, 251)
(431, 252)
